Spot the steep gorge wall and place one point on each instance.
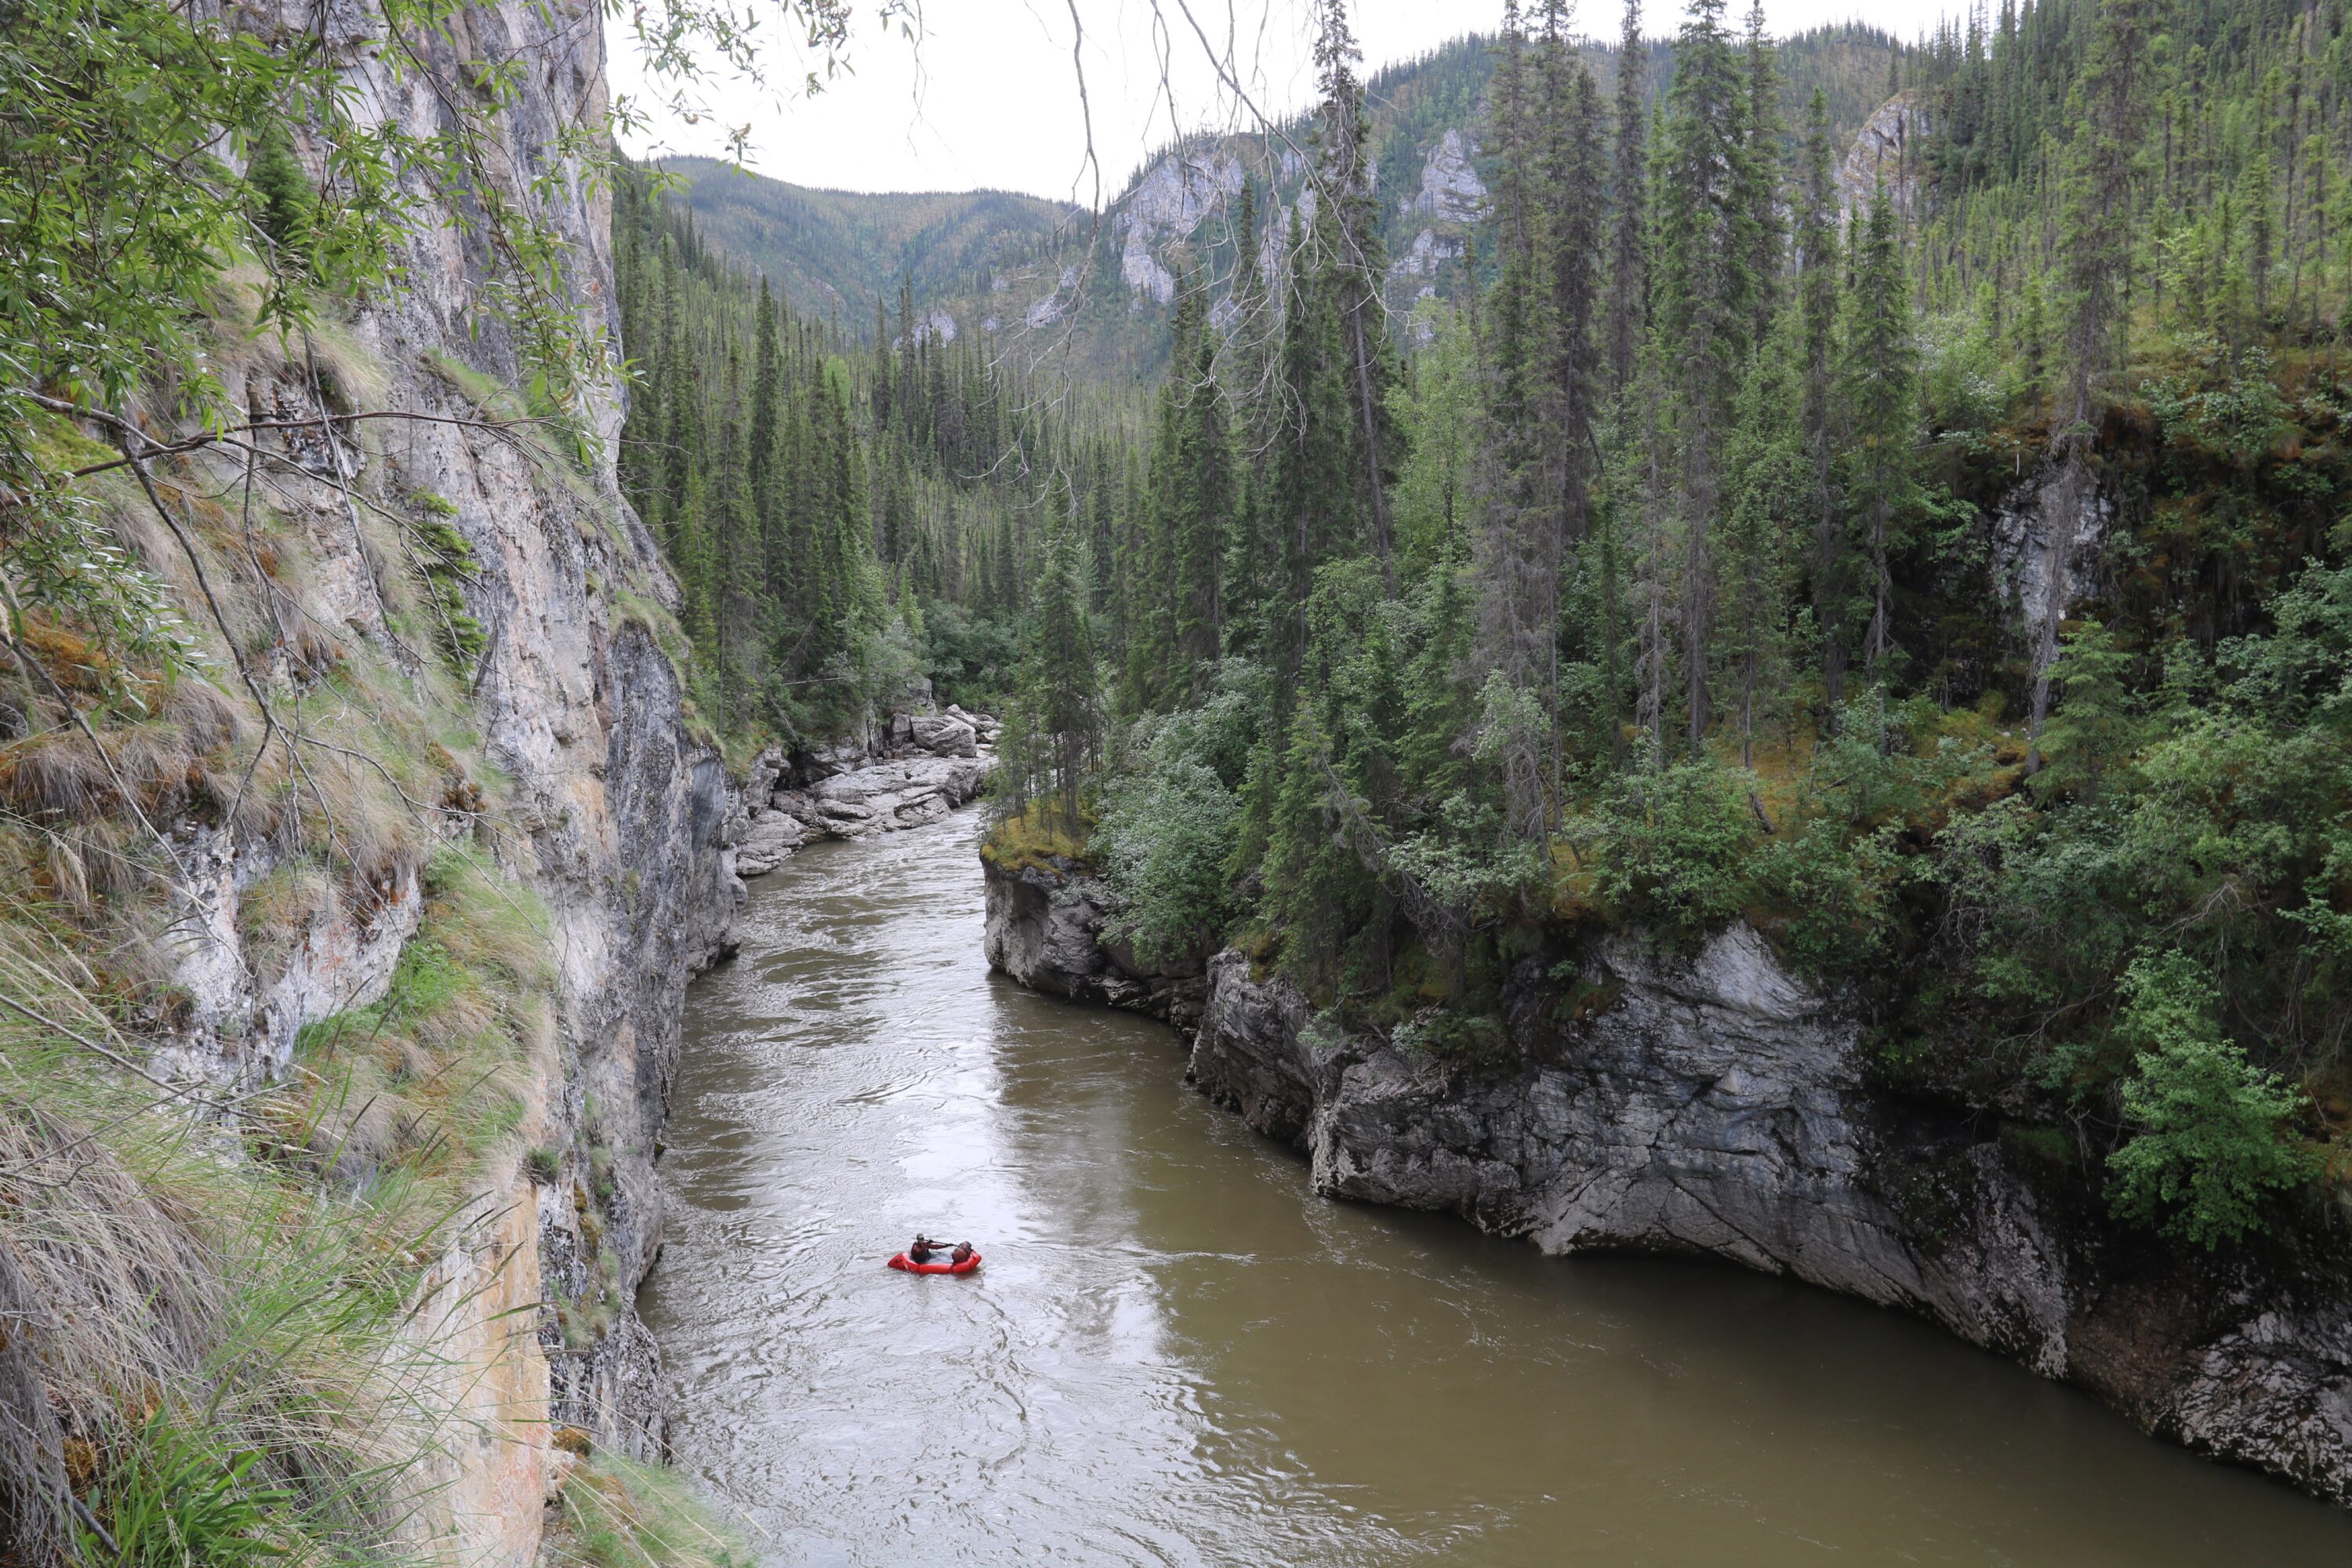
(620, 807)
(605, 804)
(1715, 1106)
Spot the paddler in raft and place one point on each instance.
(925, 1249)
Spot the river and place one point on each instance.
(1176, 1354)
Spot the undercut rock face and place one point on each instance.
(1713, 1105)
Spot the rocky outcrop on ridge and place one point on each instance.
(1887, 151)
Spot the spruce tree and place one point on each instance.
(1059, 692)
(1629, 278)
(1817, 304)
(1760, 175)
(1247, 370)
(1576, 203)
(1201, 519)
(1516, 556)
(1350, 268)
(1878, 387)
(1706, 297)
(1769, 477)
(2096, 236)
(1150, 677)
(1315, 499)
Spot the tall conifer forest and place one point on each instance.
(843, 518)
(1945, 573)
(1937, 563)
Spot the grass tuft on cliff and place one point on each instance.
(1034, 838)
(216, 1360)
(621, 1514)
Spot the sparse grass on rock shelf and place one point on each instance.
(621, 1514)
(1034, 838)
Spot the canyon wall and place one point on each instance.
(574, 771)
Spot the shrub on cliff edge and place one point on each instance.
(2211, 1146)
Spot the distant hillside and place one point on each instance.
(1049, 283)
(841, 253)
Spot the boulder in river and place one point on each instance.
(906, 792)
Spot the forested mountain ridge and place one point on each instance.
(841, 256)
(844, 518)
(1027, 274)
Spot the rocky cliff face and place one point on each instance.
(612, 812)
(1886, 151)
(1715, 1106)
(620, 806)
(1044, 928)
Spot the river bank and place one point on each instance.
(1717, 1107)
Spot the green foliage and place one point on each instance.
(99, 287)
(1453, 1035)
(62, 564)
(1670, 849)
(1830, 896)
(1436, 410)
(1170, 821)
(2097, 729)
(1165, 837)
(971, 659)
(172, 1497)
(1054, 728)
(1034, 838)
(446, 563)
(229, 1341)
(2211, 1140)
(286, 200)
(1877, 378)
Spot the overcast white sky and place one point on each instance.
(989, 97)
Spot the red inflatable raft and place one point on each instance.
(902, 1261)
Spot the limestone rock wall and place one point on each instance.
(619, 807)
(614, 813)
(1044, 928)
(1888, 151)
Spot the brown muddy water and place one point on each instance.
(1176, 1354)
